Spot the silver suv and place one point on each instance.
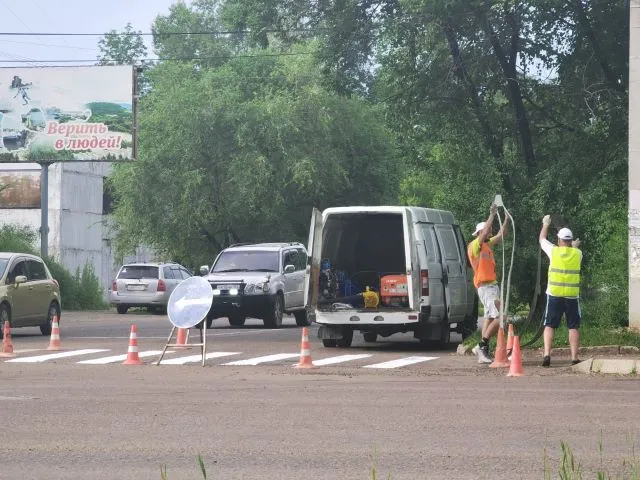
(146, 285)
(263, 280)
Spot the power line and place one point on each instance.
(164, 34)
(50, 45)
(168, 59)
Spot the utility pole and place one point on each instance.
(634, 165)
(44, 208)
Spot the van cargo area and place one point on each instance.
(360, 251)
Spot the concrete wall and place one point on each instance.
(634, 166)
(79, 233)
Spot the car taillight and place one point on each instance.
(424, 280)
(55, 282)
(161, 286)
(114, 286)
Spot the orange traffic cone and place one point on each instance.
(510, 340)
(181, 339)
(54, 342)
(516, 359)
(132, 352)
(501, 351)
(7, 346)
(305, 351)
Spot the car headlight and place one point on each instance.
(256, 288)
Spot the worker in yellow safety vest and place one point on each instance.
(563, 288)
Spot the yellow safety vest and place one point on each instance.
(564, 272)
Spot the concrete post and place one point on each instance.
(634, 165)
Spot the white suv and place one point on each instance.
(261, 280)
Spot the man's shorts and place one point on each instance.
(488, 295)
(557, 306)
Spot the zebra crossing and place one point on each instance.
(178, 357)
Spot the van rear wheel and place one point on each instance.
(347, 338)
(370, 336)
(329, 342)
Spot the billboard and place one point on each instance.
(19, 189)
(57, 114)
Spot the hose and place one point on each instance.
(504, 298)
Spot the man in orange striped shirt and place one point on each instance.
(485, 280)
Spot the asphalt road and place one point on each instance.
(445, 417)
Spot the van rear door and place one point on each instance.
(411, 261)
(314, 250)
(431, 259)
(456, 276)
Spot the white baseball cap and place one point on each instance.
(479, 228)
(565, 234)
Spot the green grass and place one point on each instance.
(569, 468)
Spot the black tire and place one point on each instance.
(5, 315)
(370, 336)
(235, 320)
(122, 309)
(54, 310)
(329, 342)
(302, 319)
(347, 338)
(274, 318)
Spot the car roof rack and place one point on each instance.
(240, 244)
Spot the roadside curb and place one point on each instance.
(584, 351)
(623, 366)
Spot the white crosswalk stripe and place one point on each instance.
(121, 358)
(196, 358)
(400, 362)
(268, 358)
(339, 359)
(54, 356)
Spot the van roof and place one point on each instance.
(418, 214)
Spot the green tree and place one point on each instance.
(243, 152)
(121, 48)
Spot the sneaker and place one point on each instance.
(546, 361)
(575, 362)
(483, 355)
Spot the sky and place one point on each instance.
(69, 16)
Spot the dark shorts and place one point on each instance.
(557, 306)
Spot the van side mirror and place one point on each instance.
(20, 279)
(204, 269)
(289, 269)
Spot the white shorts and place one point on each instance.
(488, 295)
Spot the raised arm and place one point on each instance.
(544, 231)
(486, 231)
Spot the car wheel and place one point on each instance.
(54, 311)
(370, 336)
(329, 342)
(235, 320)
(347, 338)
(302, 319)
(274, 319)
(122, 309)
(5, 316)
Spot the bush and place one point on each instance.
(81, 291)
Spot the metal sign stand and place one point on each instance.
(202, 344)
(189, 305)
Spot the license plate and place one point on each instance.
(228, 287)
(136, 287)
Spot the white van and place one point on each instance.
(415, 260)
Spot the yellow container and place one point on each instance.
(371, 299)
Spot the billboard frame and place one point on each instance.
(9, 157)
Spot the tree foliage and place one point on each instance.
(469, 98)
